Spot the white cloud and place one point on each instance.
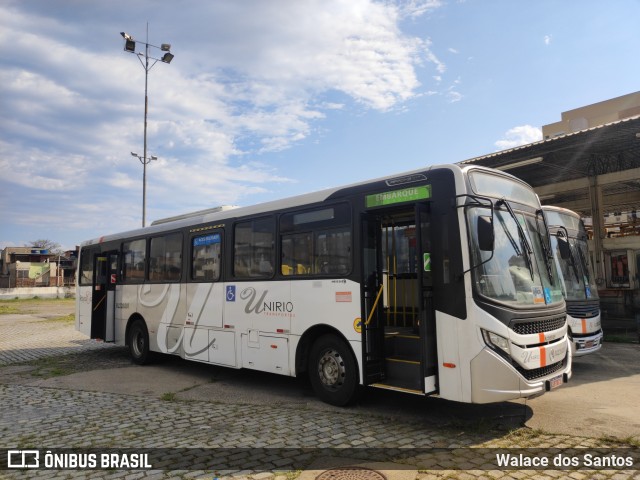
(547, 39)
(454, 96)
(416, 8)
(248, 78)
(518, 136)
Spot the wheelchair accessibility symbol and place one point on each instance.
(231, 293)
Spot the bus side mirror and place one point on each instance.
(563, 246)
(485, 233)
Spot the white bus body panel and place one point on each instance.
(83, 310)
(222, 348)
(448, 338)
(109, 335)
(265, 353)
(492, 378)
(254, 325)
(585, 344)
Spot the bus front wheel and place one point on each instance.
(139, 342)
(332, 371)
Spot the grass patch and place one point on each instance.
(34, 305)
(632, 441)
(168, 397)
(71, 318)
(8, 309)
(53, 367)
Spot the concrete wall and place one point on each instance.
(593, 115)
(41, 292)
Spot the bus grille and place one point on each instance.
(583, 311)
(538, 326)
(536, 373)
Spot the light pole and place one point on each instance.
(130, 46)
(144, 161)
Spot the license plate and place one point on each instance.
(589, 344)
(555, 382)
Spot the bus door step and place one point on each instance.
(395, 388)
(403, 371)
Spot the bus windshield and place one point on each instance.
(575, 272)
(518, 271)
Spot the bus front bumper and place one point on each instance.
(584, 345)
(495, 380)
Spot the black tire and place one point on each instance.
(138, 342)
(332, 371)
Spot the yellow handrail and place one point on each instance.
(375, 304)
(99, 303)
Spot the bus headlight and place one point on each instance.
(495, 341)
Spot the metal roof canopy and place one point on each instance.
(590, 171)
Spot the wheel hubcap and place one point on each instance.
(138, 343)
(331, 369)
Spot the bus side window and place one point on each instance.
(135, 254)
(297, 251)
(165, 262)
(253, 250)
(86, 267)
(333, 251)
(316, 241)
(205, 257)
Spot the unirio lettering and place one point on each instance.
(249, 294)
(277, 307)
(258, 305)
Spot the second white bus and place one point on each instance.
(571, 254)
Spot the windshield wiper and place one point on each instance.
(585, 265)
(562, 232)
(546, 245)
(526, 248)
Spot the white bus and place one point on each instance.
(571, 254)
(437, 281)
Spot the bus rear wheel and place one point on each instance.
(332, 371)
(138, 342)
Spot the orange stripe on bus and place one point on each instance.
(541, 337)
(543, 357)
(584, 325)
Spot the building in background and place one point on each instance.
(590, 163)
(36, 267)
(594, 115)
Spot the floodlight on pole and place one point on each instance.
(130, 46)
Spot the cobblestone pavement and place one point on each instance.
(205, 440)
(28, 337)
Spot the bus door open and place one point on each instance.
(399, 324)
(426, 310)
(372, 321)
(105, 276)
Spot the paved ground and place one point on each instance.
(199, 421)
(601, 399)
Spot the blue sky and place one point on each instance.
(271, 98)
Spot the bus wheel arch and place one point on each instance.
(137, 339)
(329, 361)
